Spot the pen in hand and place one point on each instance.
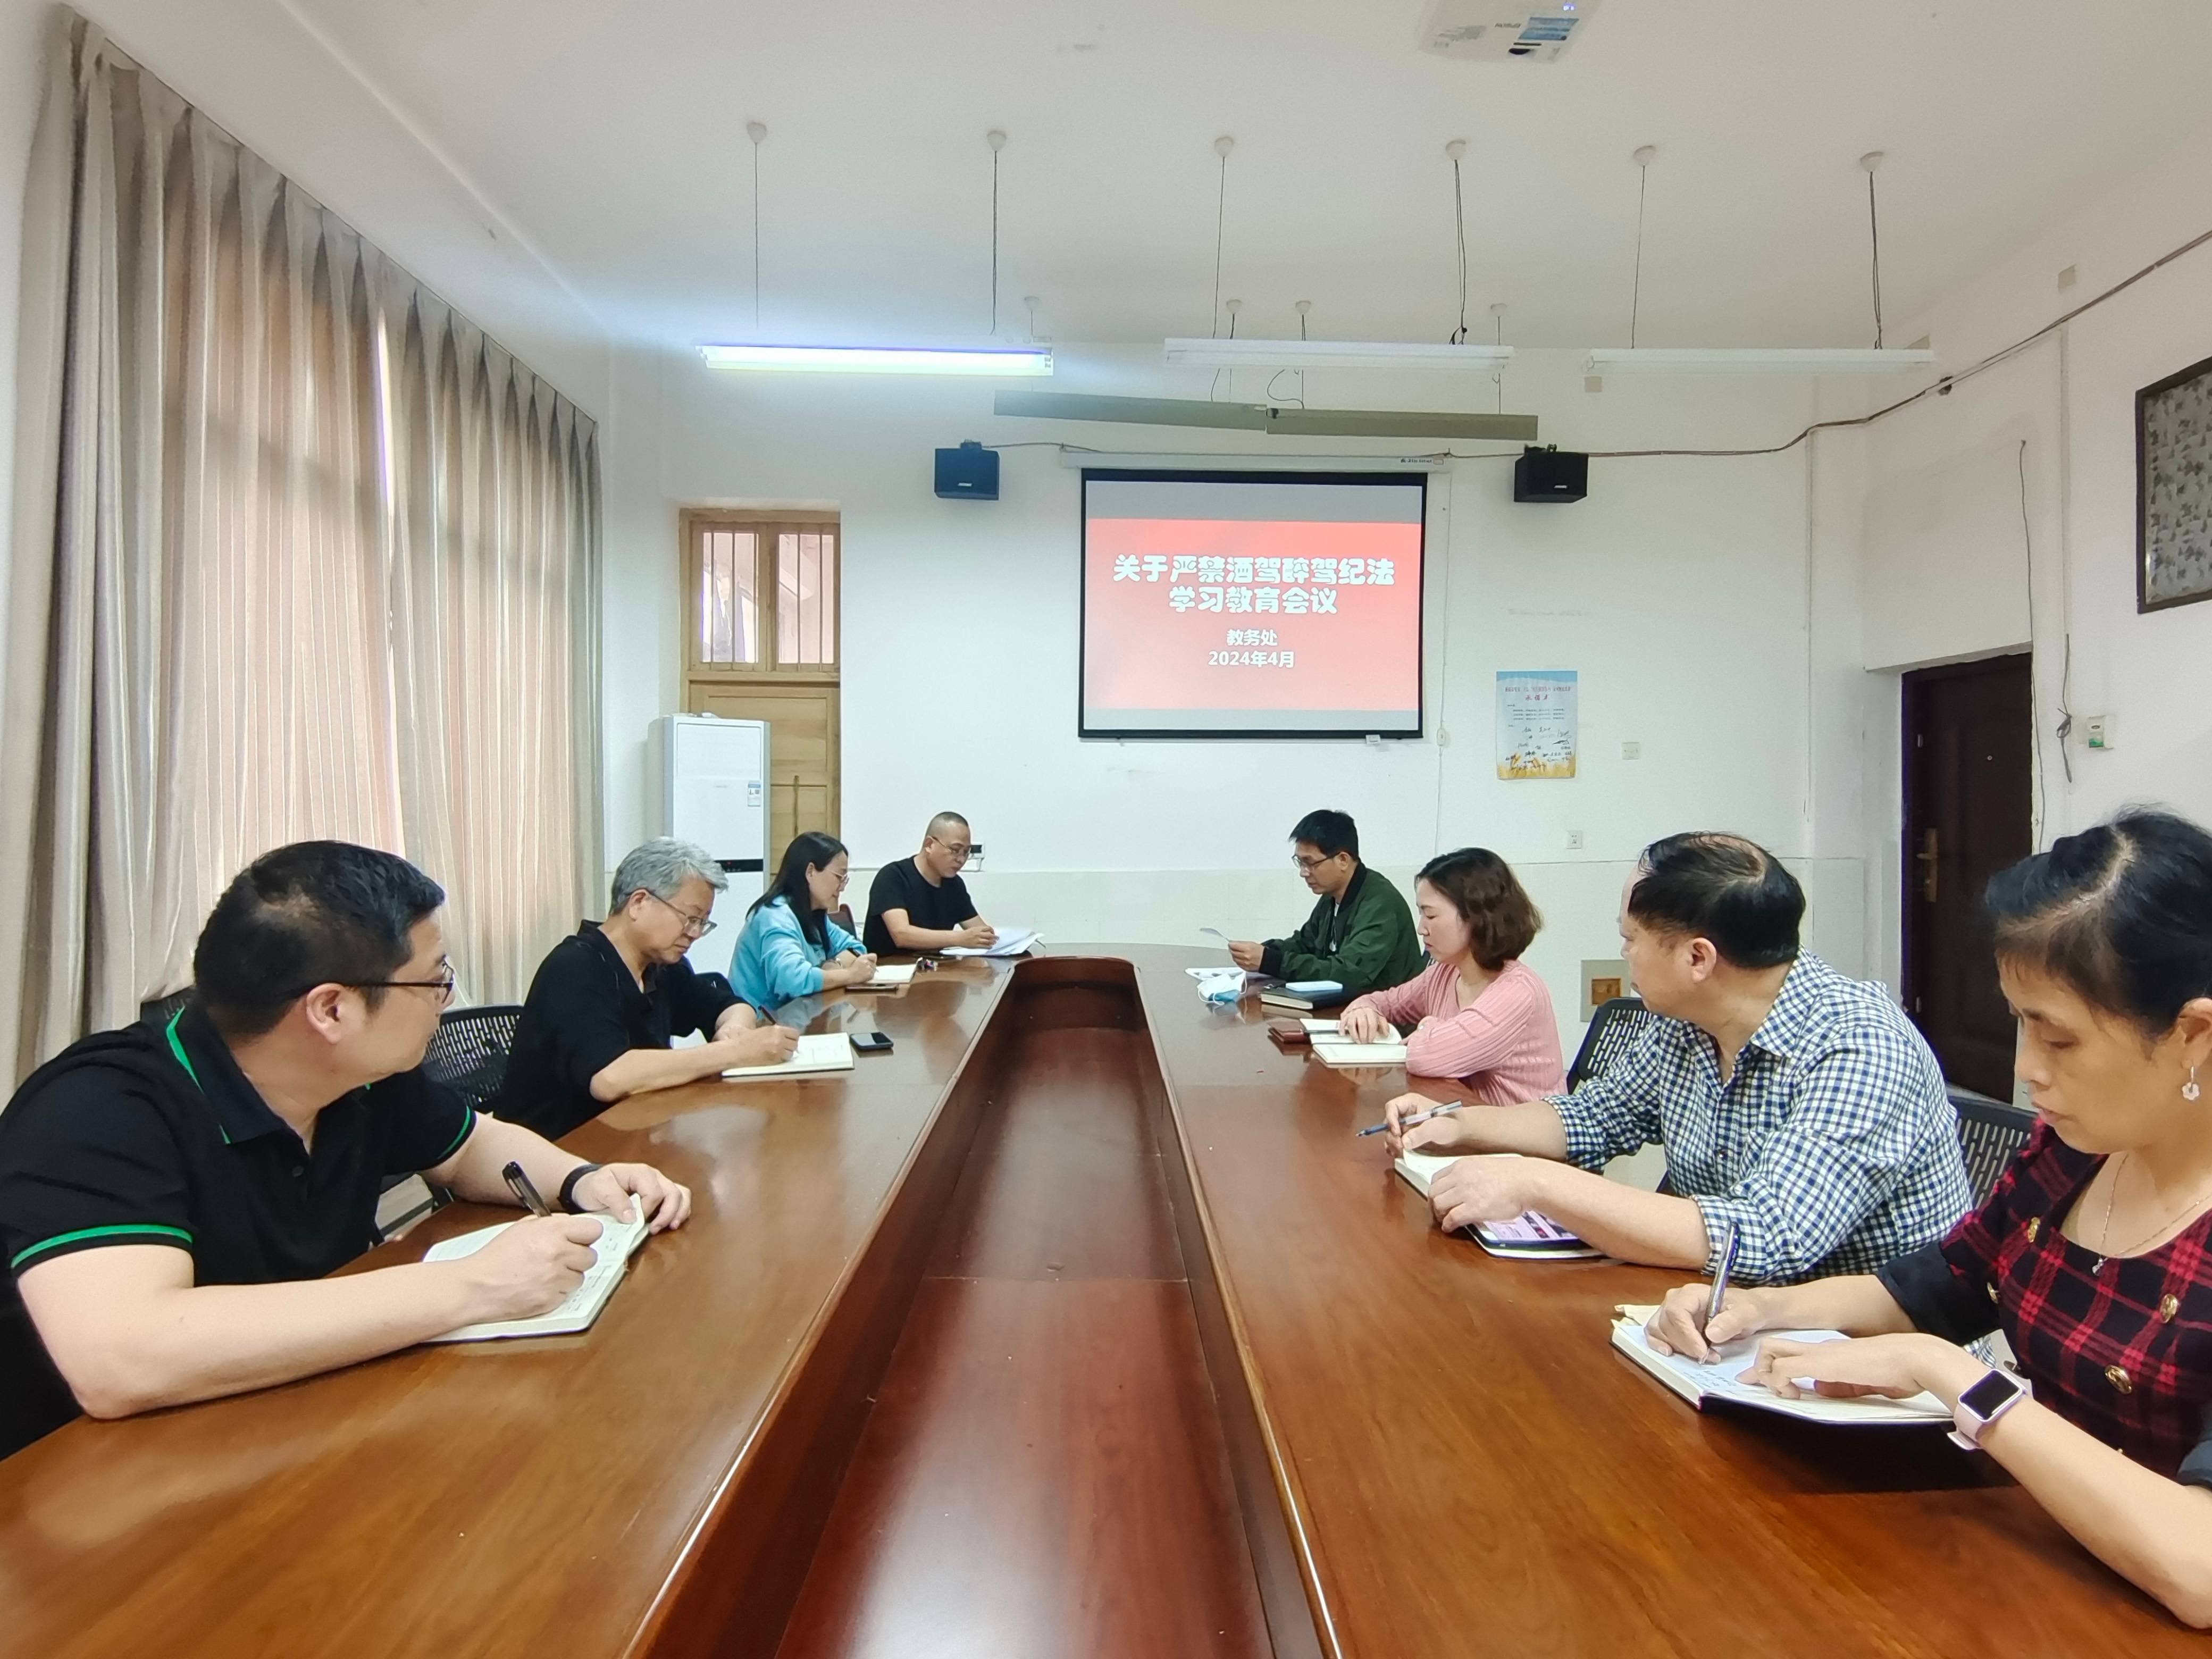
(526, 1194)
(1720, 1272)
(1409, 1123)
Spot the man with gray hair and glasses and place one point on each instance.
(605, 1002)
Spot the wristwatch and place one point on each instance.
(569, 1186)
(1995, 1394)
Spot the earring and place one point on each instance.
(2188, 1090)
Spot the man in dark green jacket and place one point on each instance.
(1360, 934)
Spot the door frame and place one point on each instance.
(698, 677)
(1909, 686)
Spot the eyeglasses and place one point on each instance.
(1307, 866)
(443, 984)
(694, 927)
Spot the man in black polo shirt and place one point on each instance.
(595, 1027)
(171, 1197)
(920, 903)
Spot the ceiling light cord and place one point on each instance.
(756, 132)
(1869, 162)
(1459, 222)
(1220, 219)
(997, 141)
(1874, 231)
(1636, 287)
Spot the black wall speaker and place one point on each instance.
(970, 473)
(1546, 475)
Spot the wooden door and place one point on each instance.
(761, 626)
(802, 744)
(1968, 775)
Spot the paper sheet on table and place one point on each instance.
(1010, 942)
(886, 978)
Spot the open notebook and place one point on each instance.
(1335, 1051)
(886, 978)
(822, 1051)
(1717, 1380)
(1531, 1237)
(617, 1243)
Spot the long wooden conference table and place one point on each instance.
(1079, 1324)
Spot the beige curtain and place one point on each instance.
(298, 551)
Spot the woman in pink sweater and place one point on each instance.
(1479, 1013)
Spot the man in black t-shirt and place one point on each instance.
(607, 999)
(920, 903)
(165, 1189)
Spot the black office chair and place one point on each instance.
(1989, 1133)
(158, 1011)
(469, 1053)
(1614, 1030)
(843, 915)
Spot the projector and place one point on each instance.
(1499, 32)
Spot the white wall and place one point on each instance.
(1945, 571)
(1678, 589)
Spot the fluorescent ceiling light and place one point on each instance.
(1335, 354)
(884, 359)
(1700, 360)
(1260, 417)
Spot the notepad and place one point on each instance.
(1359, 1053)
(1320, 1027)
(829, 1051)
(1531, 1237)
(1304, 993)
(1010, 942)
(886, 978)
(1716, 1379)
(612, 1251)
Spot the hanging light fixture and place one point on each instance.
(1457, 353)
(999, 361)
(1633, 359)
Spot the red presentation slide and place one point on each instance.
(1253, 625)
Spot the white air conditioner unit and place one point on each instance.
(1499, 32)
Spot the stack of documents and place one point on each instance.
(612, 1251)
(1010, 942)
(1717, 1380)
(1531, 1237)
(828, 1051)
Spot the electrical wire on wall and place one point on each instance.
(1222, 146)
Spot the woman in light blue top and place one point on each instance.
(790, 948)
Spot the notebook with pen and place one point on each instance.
(822, 1051)
(1716, 1380)
(1529, 1237)
(886, 978)
(1335, 1051)
(617, 1242)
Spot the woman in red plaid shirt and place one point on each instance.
(2094, 1254)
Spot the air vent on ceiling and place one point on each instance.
(1499, 32)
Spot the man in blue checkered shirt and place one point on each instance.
(1796, 1105)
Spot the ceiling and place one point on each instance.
(613, 137)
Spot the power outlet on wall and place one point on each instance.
(2097, 731)
(1574, 841)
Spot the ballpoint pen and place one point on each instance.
(1418, 1117)
(1720, 1274)
(525, 1192)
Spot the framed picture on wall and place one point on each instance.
(2173, 489)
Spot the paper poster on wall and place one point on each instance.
(1537, 735)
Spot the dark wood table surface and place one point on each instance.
(1445, 1456)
